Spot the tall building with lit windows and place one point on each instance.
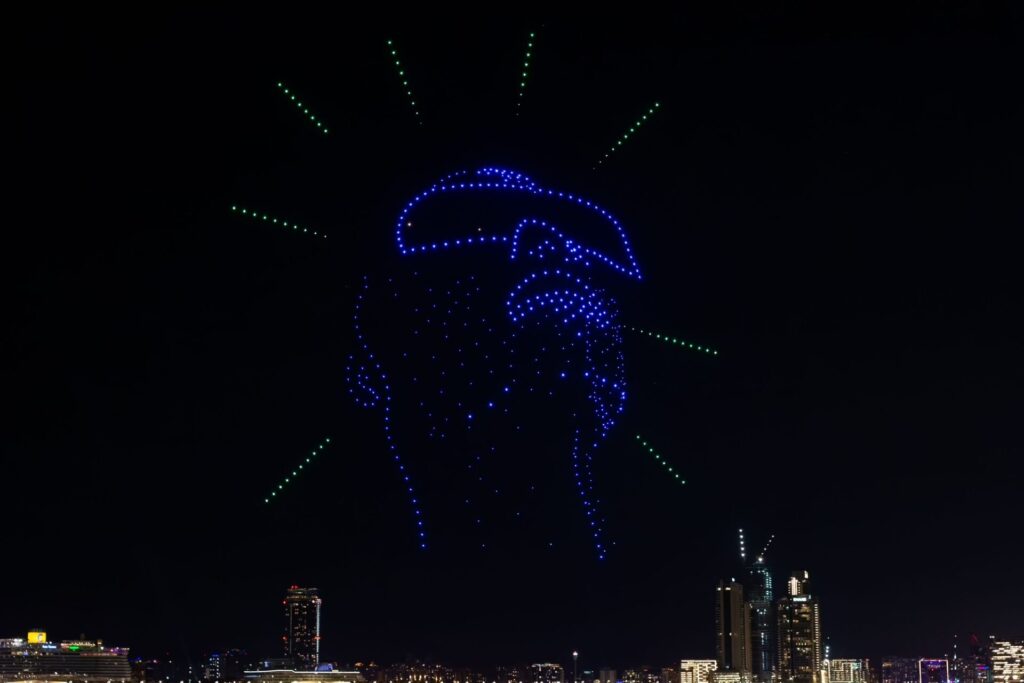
(899, 670)
(696, 670)
(760, 596)
(1007, 662)
(799, 633)
(547, 673)
(732, 628)
(933, 671)
(848, 671)
(301, 638)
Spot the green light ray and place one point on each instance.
(404, 80)
(270, 219)
(523, 75)
(625, 136)
(673, 340)
(302, 107)
(659, 459)
(297, 471)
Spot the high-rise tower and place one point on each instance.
(302, 627)
(761, 596)
(799, 633)
(732, 628)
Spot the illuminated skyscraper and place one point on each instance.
(799, 583)
(760, 596)
(799, 633)
(732, 628)
(302, 634)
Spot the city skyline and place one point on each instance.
(802, 655)
(37, 658)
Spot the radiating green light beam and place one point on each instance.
(659, 459)
(524, 73)
(270, 219)
(673, 340)
(280, 487)
(625, 136)
(303, 108)
(404, 80)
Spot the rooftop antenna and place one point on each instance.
(743, 547)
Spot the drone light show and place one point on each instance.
(485, 341)
(489, 353)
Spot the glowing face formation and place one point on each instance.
(494, 355)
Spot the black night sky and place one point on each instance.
(828, 199)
